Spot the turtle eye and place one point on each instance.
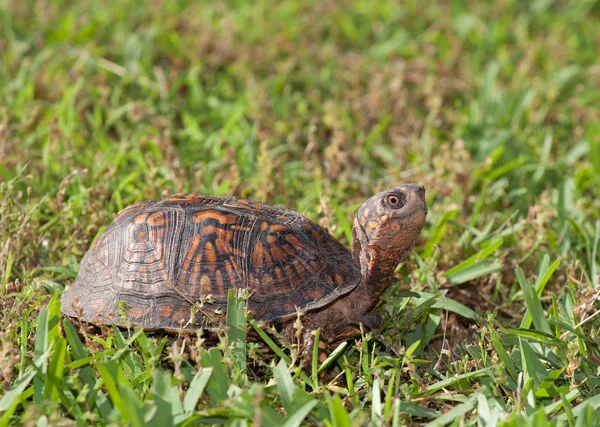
(394, 201)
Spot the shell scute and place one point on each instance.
(170, 263)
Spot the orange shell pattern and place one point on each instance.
(157, 263)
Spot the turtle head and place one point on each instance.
(385, 230)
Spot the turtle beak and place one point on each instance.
(415, 197)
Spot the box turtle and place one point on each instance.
(168, 264)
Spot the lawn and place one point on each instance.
(314, 106)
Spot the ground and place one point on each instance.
(493, 106)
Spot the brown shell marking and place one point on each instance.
(163, 257)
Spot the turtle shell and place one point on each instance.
(168, 264)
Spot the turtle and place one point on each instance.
(167, 265)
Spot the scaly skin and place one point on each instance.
(383, 236)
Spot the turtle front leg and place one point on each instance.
(308, 346)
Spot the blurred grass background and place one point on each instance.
(493, 106)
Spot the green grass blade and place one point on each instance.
(54, 379)
(475, 271)
(7, 415)
(333, 356)
(121, 393)
(8, 269)
(274, 347)
(543, 277)
(503, 355)
(592, 134)
(315, 360)
(532, 367)
(439, 232)
(41, 347)
(267, 339)
(455, 413)
(431, 300)
(534, 306)
(337, 412)
(415, 410)
(285, 385)
(569, 397)
(457, 379)
(195, 390)
(218, 384)
(389, 396)
(165, 398)
(12, 397)
(535, 336)
(475, 259)
(298, 417)
(81, 363)
(112, 388)
(592, 402)
(236, 323)
(376, 407)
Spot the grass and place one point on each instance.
(493, 106)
